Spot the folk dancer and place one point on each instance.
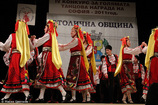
(49, 75)
(88, 45)
(126, 67)
(17, 78)
(77, 75)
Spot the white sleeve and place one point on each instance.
(134, 51)
(144, 50)
(104, 67)
(6, 46)
(31, 46)
(40, 41)
(89, 50)
(72, 44)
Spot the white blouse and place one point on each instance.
(6, 46)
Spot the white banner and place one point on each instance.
(92, 7)
(104, 30)
(27, 12)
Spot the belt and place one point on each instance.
(88, 59)
(47, 49)
(75, 53)
(15, 51)
(127, 61)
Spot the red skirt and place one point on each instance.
(153, 75)
(17, 79)
(127, 78)
(77, 76)
(51, 77)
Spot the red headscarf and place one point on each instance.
(17, 24)
(124, 40)
(51, 27)
(79, 32)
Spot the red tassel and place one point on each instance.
(124, 41)
(51, 27)
(56, 32)
(81, 35)
(16, 25)
(27, 28)
(89, 39)
(156, 34)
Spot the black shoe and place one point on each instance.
(72, 101)
(67, 97)
(39, 100)
(4, 100)
(29, 98)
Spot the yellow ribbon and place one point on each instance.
(22, 43)
(119, 65)
(150, 50)
(56, 59)
(93, 63)
(84, 53)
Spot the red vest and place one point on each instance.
(13, 44)
(156, 46)
(78, 47)
(49, 42)
(110, 67)
(138, 75)
(126, 56)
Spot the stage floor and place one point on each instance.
(65, 104)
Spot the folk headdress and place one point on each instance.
(151, 44)
(80, 36)
(119, 65)
(92, 58)
(56, 59)
(22, 41)
(87, 37)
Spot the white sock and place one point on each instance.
(88, 96)
(42, 91)
(63, 92)
(124, 97)
(7, 95)
(84, 93)
(129, 96)
(26, 93)
(73, 92)
(144, 96)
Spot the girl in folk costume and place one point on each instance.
(77, 75)
(151, 60)
(88, 45)
(49, 75)
(125, 65)
(17, 78)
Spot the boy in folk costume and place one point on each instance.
(126, 67)
(139, 73)
(49, 75)
(103, 88)
(77, 75)
(88, 45)
(17, 78)
(109, 66)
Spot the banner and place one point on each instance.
(103, 30)
(92, 7)
(27, 12)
